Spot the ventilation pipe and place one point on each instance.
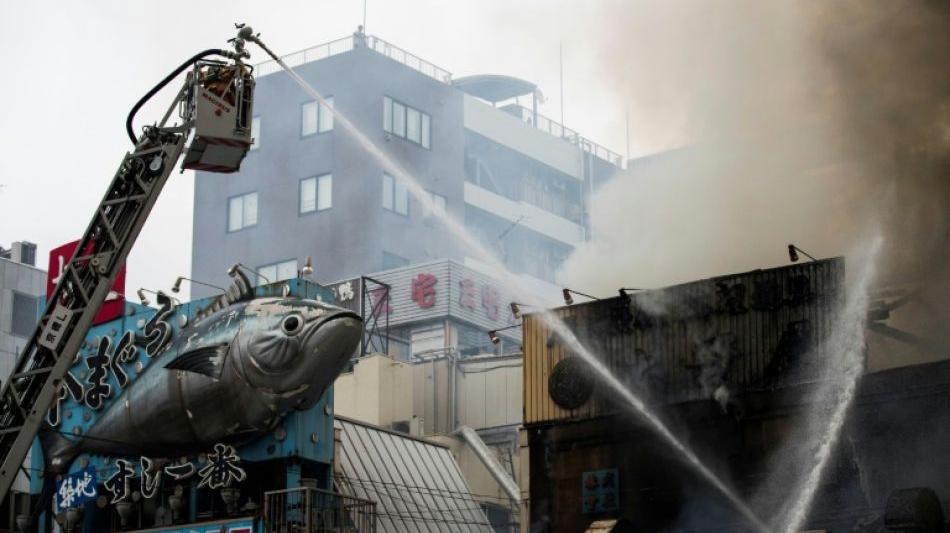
(488, 459)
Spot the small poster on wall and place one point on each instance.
(600, 491)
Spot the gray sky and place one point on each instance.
(73, 70)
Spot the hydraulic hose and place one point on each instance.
(163, 83)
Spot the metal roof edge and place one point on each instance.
(365, 424)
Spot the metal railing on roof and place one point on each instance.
(300, 57)
(410, 60)
(561, 131)
(339, 46)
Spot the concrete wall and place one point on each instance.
(377, 391)
(381, 391)
(490, 392)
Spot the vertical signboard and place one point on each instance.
(115, 301)
(348, 294)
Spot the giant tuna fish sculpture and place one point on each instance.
(229, 376)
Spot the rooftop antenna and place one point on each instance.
(627, 127)
(560, 53)
(364, 16)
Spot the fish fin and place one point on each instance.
(207, 360)
(240, 290)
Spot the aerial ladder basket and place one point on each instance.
(221, 106)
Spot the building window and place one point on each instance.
(277, 271)
(391, 260)
(316, 117)
(24, 314)
(242, 211)
(438, 205)
(316, 193)
(426, 127)
(255, 133)
(407, 122)
(326, 115)
(395, 195)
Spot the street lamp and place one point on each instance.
(516, 309)
(307, 267)
(159, 296)
(569, 300)
(493, 334)
(793, 253)
(177, 286)
(234, 268)
(623, 292)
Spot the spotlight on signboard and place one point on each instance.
(793, 252)
(177, 286)
(569, 300)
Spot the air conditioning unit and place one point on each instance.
(23, 252)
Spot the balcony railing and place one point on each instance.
(559, 130)
(310, 510)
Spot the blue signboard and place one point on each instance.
(600, 491)
(122, 357)
(76, 489)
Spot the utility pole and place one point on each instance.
(560, 52)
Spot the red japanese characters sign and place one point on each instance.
(490, 301)
(467, 293)
(115, 301)
(423, 290)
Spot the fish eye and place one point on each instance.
(292, 324)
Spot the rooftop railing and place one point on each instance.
(410, 60)
(381, 46)
(561, 131)
(339, 46)
(300, 57)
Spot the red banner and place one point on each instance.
(115, 302)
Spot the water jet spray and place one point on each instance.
(550, 319)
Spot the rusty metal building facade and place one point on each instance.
(733, 366)
(683, 343)
(710, 357)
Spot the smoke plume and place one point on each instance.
(821, 124)
(812, 123)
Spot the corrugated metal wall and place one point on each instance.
(459, 292)
(758, 330)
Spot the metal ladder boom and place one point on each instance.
(83, 286)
